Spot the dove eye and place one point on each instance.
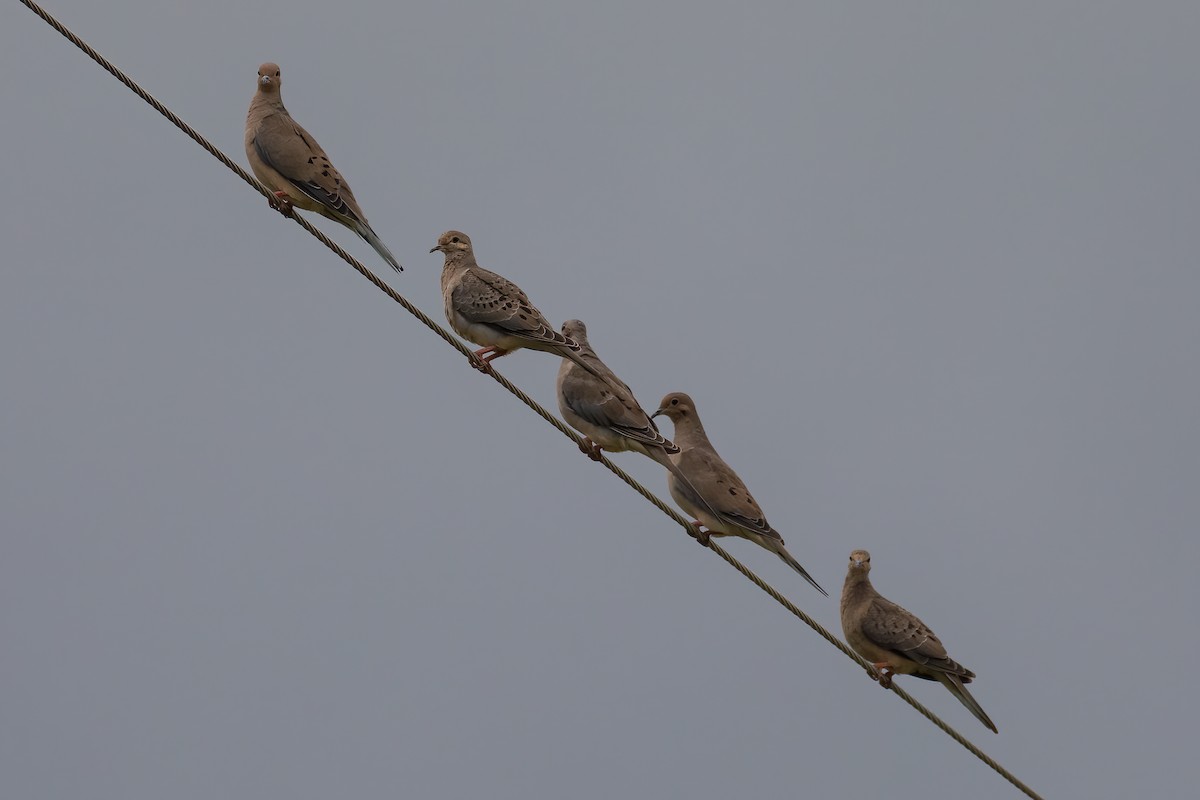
(675, 402)
(455, 240)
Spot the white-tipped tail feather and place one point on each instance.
(364, 230)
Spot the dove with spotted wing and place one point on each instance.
(712, 492)
(289, 162)
(490, 310)
(896, 641)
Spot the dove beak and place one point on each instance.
(264, 80)
(435, 249)
(658, 413)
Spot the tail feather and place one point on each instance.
(567, 352)
(782, 552)
(364, 230)
(955, 685)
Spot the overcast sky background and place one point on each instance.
(929, 271)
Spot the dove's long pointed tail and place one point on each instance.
(778, 548)
(364, 230)
(957, 689)
(566, 352)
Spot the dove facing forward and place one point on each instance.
(490, 310)
(711, 491)
(896, 641)
(289, 162)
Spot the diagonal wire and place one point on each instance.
(521, 395)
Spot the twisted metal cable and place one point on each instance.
(521, 395)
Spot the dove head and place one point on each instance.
(455, 244)
(689, 431)
(860, 559)
(575, 329)
(675, 407)
(268, 78)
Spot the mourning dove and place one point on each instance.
(289, 162)
(895, 641)
(490, 310)
(605, 411)
(712, 491)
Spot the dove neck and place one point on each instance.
(689, 432)
(858, 585)
(269, 103)
(459, 258)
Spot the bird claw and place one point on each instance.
(590, 449)
(700, 535)
(484, 356)
(883, 674)
(280, 202)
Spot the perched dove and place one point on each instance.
(895, 641)
(605, 411)
(288, 160)
(713, 492)
(488, 309)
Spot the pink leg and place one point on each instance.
(484, 357)
(700, 535)
(590, 449)
(282, 204)
(884, 672)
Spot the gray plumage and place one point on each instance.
(712, 492)
(894, 640)
(289, 162)
(605, 411)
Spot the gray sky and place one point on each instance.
(928, 269)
